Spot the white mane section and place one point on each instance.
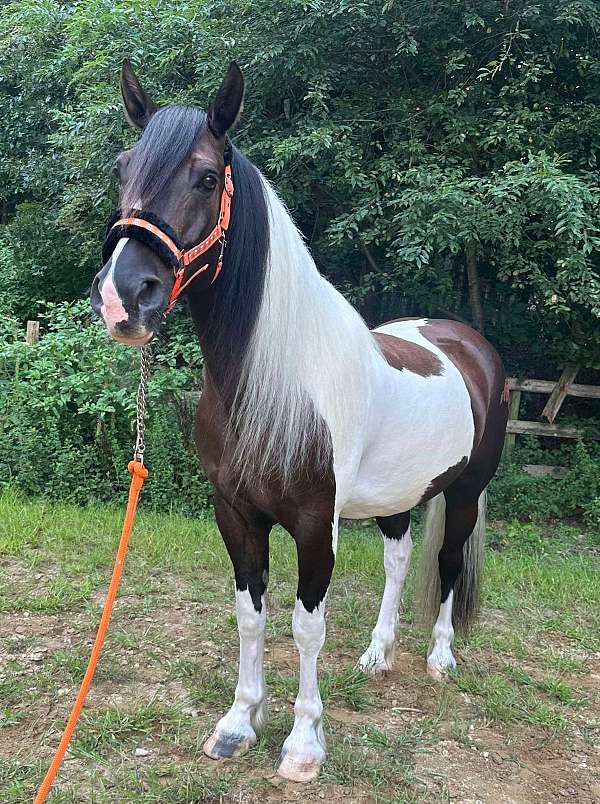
(308, 361)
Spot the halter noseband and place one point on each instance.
(160, 237)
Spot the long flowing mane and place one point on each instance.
(303, 384)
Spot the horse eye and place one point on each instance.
(209, 182)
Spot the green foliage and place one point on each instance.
(516, 494)
(67, 405)
(401, 136)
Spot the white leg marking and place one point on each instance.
(379, 656)
(304, 749)
(334, 532)
(112, 307)
(237, 730)
(440, 658)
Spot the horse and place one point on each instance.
(305, 416)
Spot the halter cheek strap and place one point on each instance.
(160, 237)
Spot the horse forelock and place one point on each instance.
(167, 141)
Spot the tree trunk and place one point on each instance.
(474, 288)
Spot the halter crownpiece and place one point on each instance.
(155, 233)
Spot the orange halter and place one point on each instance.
(185, 257)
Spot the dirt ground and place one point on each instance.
(517, 725)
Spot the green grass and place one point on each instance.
(169, 663)
(118, 729)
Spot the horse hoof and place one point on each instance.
(440, 672)
(373, 665)
(225, 746)
(298, 770)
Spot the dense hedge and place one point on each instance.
(411, 141)
(420, 146)
(67, 406)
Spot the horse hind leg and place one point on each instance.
(450, 577)
(397, 549)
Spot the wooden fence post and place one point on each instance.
(33, 332)
(514, 403)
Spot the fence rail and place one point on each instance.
(557, 391)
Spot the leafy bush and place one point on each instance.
(517, 494)
(67, 407)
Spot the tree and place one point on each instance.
(440, 157)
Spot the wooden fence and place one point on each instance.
(558, 391)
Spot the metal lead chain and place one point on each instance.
(140, 406)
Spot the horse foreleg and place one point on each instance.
(245, 532)
(397, 549)
(304, 751)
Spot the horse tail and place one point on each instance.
(427, 597)
(465, 604)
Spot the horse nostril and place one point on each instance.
(150, 293)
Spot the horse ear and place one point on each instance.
(226, 107)
(139, 107)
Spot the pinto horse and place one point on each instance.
(305, 415)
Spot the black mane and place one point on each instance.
(165, 144)
(239, 289)
(225, 314)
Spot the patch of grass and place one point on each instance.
(540, 613)
(8, 717)
(586, 636)
(12, 693)
(123, 639)
(279, 624)
(381, 762)
(19, 781)
(60, 595)
(70, 663)
(560, 662)
(212, 686)
(157, 785)
(183, 667)
(503, 642)
(554, 687)
(116, 729)
(12, 690)
(277, 728)
(349, 688)
(503, 699)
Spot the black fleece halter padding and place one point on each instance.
(144, 236)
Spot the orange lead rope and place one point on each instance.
(138, 474)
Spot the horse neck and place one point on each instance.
(303, 382)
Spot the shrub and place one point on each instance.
(67, 408)
(516, 494)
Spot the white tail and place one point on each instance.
(467, 586)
